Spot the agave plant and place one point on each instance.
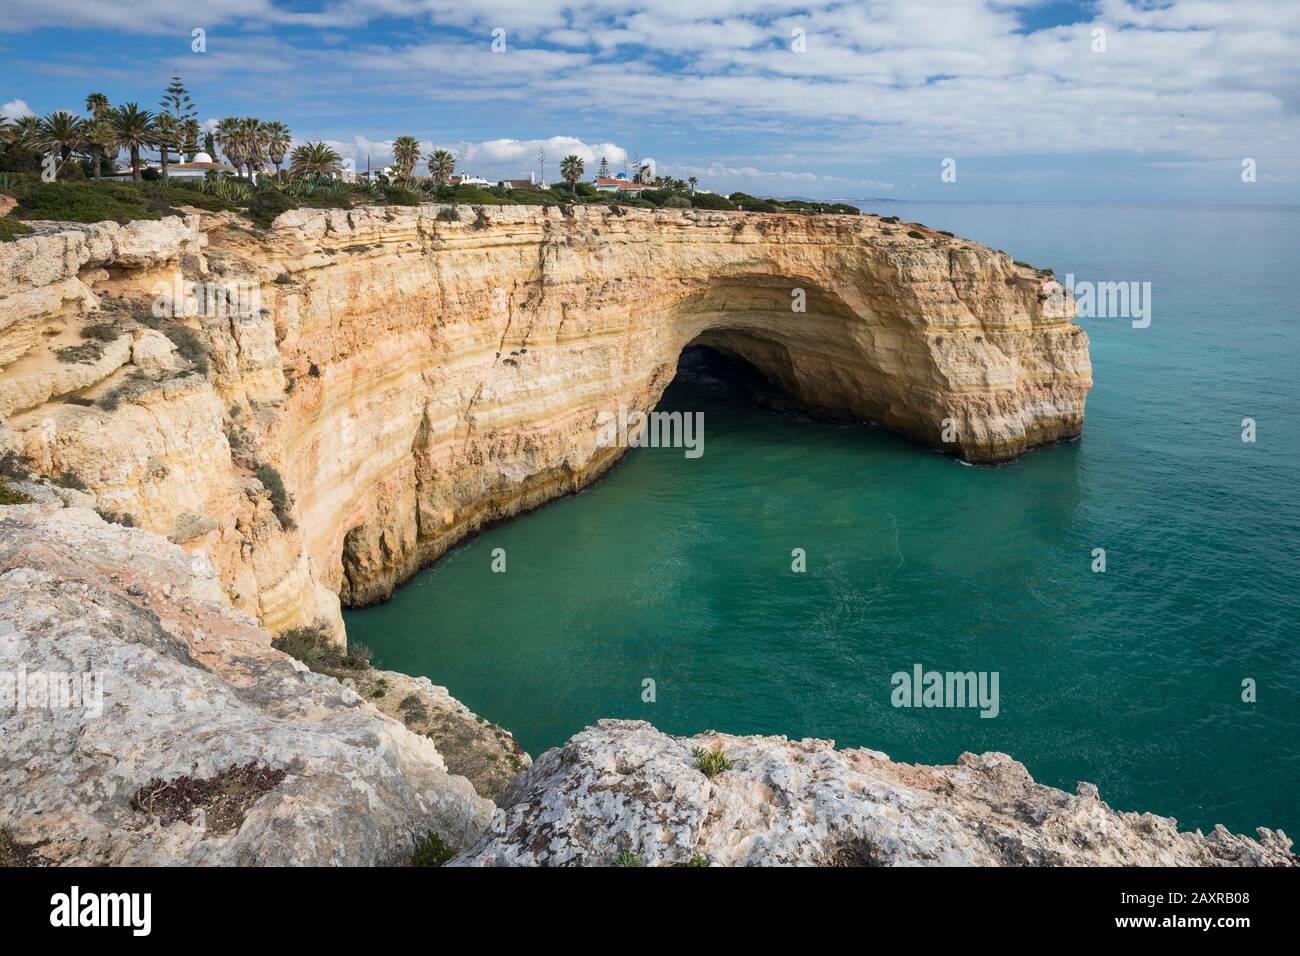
(227, 188)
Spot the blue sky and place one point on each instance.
(824, 99)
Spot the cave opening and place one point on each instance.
(722, 372)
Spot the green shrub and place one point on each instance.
(913, 234)
(432, 852)
(710, 762)
(412, 708)
(401, 196)
(698, 860)
(108, 200)
(677, 202)
(626, 859)
(448, 215)
(889, 219)
(12, 496)
(312, 646)
(266, 205)
(281, 503)
(711, 200)
(11, 229)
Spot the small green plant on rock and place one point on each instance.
(711, 762)
(628, 859)
(12, 496)
(432, 851)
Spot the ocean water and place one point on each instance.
(679, 570)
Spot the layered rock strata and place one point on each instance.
(412, 374)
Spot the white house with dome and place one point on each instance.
(198, 167)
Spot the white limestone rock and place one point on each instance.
(624, 787)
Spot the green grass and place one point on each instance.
(626, 859)
(432, 851)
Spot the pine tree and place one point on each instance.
(603, 172)
(179, 111)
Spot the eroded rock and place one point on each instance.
(622, 787)
(183, 691)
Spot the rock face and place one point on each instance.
(186, 697)
(623, 787)
(411, 374)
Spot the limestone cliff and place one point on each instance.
(158, 726)
(411, 374)
(623, 787)
(145, 721)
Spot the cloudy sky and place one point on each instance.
(1111, 100)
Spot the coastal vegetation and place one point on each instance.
(711, 762)
(312, 646)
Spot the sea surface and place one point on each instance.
(679, 570)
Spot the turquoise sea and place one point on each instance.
(679, 570)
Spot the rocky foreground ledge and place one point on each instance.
(623, 792)
(189, 739)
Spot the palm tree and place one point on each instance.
(406, 153)
(571, 170)
(225, 136)
(98, 134)
(253, 141)
(315, 159)
(61, 132)
(278, 141)
(24, 131)
(692, 181)
(442, 165)
(97, 104)
(134, 129)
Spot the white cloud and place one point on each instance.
(14, 109)
(1180, 80)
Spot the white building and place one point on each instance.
(198, 167)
